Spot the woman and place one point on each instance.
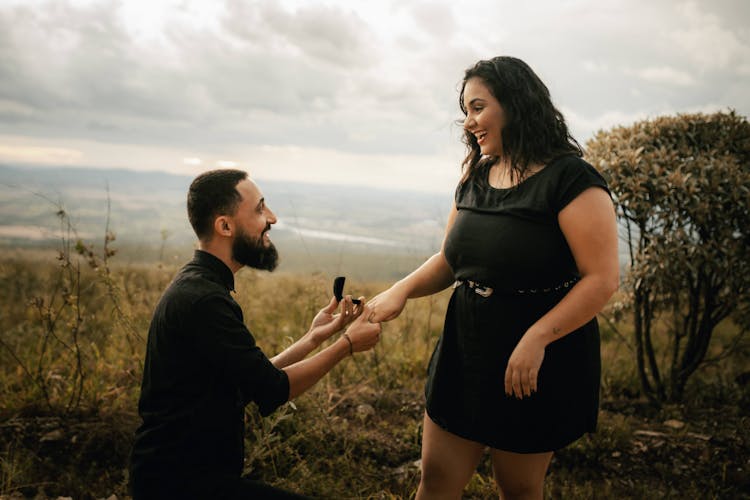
(531, 248)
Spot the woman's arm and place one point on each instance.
(590, 228)
(431, 277)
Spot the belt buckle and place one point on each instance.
(483, 291)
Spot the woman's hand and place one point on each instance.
(523, 367)
(386, 305)
(325, 323)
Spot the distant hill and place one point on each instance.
(318, 224)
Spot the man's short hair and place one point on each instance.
(212, 194)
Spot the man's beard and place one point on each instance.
(251, 252)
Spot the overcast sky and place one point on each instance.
(348, 91)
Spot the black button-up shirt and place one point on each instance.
(202, 367)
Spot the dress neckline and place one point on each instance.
(486, 178)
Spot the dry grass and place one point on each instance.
(356, 434)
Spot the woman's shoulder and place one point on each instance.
(569, 167)
(571, 175)
(569, 163)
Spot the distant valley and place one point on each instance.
(375, 233)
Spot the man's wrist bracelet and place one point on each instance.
(351, 346)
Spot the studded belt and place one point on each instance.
(486, 291)
(482, 290)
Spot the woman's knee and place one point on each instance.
(436, 475)
(522, 488)
(520, 476)
(443, 477)
(448, 461)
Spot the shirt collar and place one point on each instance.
(215, 264)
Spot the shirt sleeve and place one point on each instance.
(225, 342)
(575, 176)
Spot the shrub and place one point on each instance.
(681, 185)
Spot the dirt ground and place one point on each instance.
(638, 452)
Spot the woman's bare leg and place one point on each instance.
(448, 462)
(520, 476)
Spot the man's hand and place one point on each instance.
(325, 323)
(362, 334)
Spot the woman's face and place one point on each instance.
(485, 117)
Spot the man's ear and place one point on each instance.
(223, 226)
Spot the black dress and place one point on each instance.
(510, 240)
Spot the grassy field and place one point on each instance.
(71, 359)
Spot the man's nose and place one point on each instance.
(271, 216)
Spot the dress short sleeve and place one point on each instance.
(575, 176)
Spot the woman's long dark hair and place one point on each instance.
(535, 131)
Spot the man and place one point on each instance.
(202, 365)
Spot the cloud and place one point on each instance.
(436, 19)
(261, 75)
(14, 111)
(327, 34)
(74, 70)
(354, 81)
(706, 41)
(666, 75)
(437, 172)
(584, 127)
(32, 154)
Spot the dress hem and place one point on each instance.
(509, 448)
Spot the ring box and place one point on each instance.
(338, 289)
